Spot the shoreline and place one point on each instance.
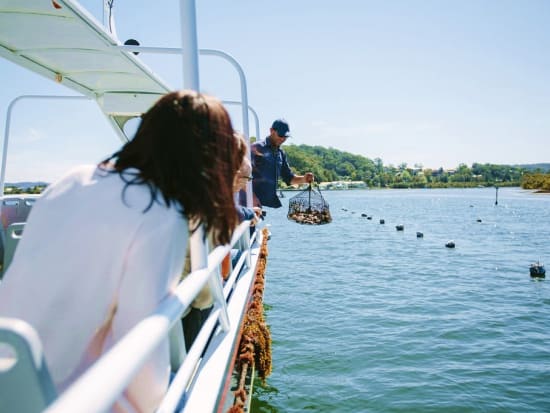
(388, 188)
(534, 191)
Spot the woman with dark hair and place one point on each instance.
(106, 243)
(192, 169)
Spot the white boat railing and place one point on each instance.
(115, 369)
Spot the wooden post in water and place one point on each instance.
(496, 195)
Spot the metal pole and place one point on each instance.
(189, 43)
(198, 247)
(197, 241)
(496, 195)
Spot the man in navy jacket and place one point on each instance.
(269, 163)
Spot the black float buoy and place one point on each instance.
(450, 244)
(479, 220)
(382, 221)
(363, 215)
(369, 217)
(537, 270)
(419, 234)
(400, 227)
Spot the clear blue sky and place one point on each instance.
(431, 82)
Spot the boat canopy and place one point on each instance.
(63, 42)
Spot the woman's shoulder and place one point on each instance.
(81, 171)
(90, 173)
(78, 173)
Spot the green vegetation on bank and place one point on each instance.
(335, 165)
(14, 189)
(536, 181)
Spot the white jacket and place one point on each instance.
(84, 248)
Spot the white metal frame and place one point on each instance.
(188, 84)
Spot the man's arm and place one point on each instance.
(292, 179)
(252, 214)
(303, 179)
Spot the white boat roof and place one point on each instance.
(63, 42)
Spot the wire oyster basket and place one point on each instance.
(309, 207)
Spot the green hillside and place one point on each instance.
(329, 164)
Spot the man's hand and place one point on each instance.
(309, 178)
(257, 216)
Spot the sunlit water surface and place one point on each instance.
(365, 318)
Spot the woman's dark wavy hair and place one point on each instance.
(185, 150)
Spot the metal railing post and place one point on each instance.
(198, 247)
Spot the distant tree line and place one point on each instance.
(330, 164)
(335, 165)
(14, 190)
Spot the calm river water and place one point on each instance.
(365, 318)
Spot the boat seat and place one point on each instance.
(13, 235)
(15, 209)
(25, 382)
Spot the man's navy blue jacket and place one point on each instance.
(269, 163)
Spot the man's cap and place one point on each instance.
(282, 128)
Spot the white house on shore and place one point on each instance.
(343, 185)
